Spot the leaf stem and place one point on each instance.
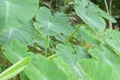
(37, 31)
(52, 56)
(71, 35)
(46, 44)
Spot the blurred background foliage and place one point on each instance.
(66, 6)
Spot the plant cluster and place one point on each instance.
(41, 45)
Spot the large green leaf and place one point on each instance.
(107, 56)
(15, 69)
(69, 54)
(97, 70)
(52, 24)
(14, 13)
(72, 56)
(25, 34)
(112, 38)
(91, 14)
(65, 67)
(44, 69)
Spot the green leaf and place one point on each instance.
(15, 51)
(107, 56)
(89, 36)
(25, 34)
(108, 17)
(52, 24)
(97, 70)
(15, 69)
(44, 69)
(23, 76)
(112, 38)
(65, 67)
(72, 56)
(91, 14)
(14, 13)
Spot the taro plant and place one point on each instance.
(41, 45)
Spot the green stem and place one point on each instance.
(46, 44)
(51, 45)
(52, 56)
(67, 40)
(37, 31)
(71, 35)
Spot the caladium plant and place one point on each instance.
(86, 51)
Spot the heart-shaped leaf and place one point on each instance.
(52, 24)
(91, 14)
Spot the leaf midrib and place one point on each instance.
(7, 3)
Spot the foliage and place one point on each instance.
(45, 46)
(8, 8)
(15, 69)
(91, 14)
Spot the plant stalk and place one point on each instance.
(71, 35)
(46, 44)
